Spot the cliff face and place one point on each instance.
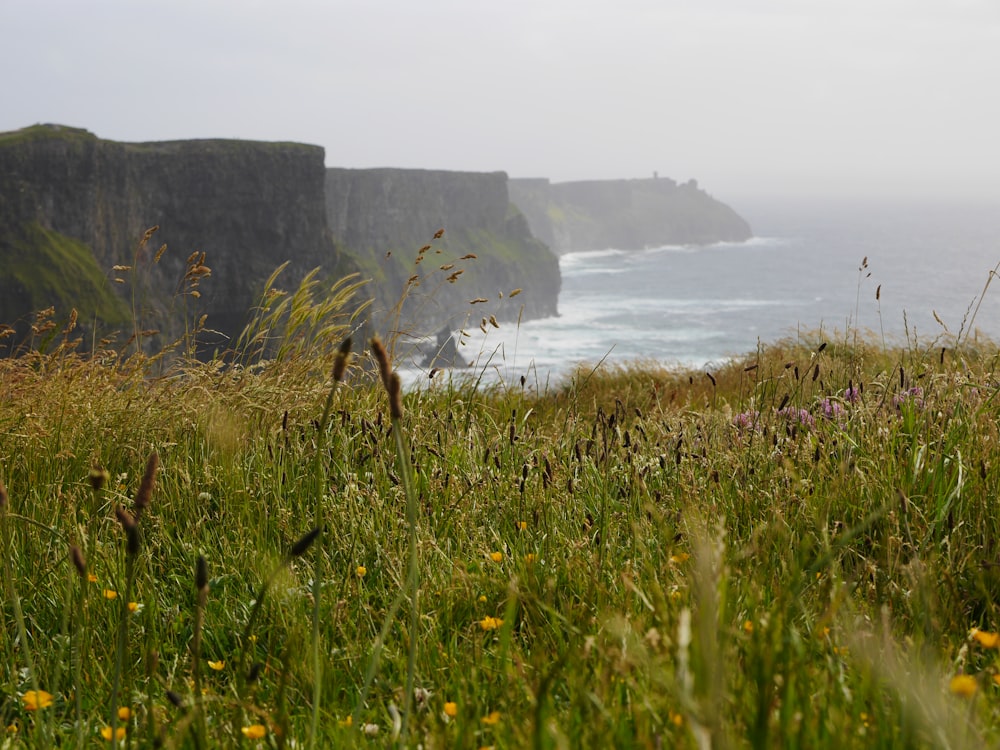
(69, 198)
(385, 217)
(624, 214)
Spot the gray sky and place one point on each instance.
(750, 97)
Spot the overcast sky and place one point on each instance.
(750, 97)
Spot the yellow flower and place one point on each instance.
(91, 577)
(36, 699)
(134, 607)
(985, 639)
(119, 733)
(496, 556)
(490, 623)
(345, 722)
(124, 713)
(451, 709)
(492, 719)
(360, 571)
(679, 558)
(13, 728)
(748, 627)
(530, 558)
(963, 685)
(254, 731)
(522, 525)
(218, 666)
(675, 718)
(110, 594)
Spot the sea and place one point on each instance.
(899, 273)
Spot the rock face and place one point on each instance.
(385, 217)
(624, 214)
(74, 207)
(70, 199)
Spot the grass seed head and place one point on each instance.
(98, 478)
(342, 359)
(201, 574)
(145, 492)
(304, 542)
(78, 562)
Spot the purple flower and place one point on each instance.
(747, 420)
(797, 416)
(852, 394)
(832, 409)
(915, 395)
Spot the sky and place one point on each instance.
(761, 98)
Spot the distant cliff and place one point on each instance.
(624, 214)
(72, 206)
(385, 217)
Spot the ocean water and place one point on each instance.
(804, 271)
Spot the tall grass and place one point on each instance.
(798, 548)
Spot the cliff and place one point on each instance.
(624, 214)
(385, 217)
(72, 206)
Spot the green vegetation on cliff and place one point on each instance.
(43, 268)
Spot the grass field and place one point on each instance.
(799, 549)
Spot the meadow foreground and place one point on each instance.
(797, 550)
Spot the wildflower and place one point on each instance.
(914, 395)
(530, 558)
(110, 594)
(482, 599)
(490, 623)
(134, 607)
(119, 733)
(675, 718)
(985, 639)
(963, 685)
(747, 420)
(496, 556)
(491, 719)
(852, 394)
(254, 731)
(124, 713)
(370, 730)
(679, 558)
(748, 627)
(36, 699)
(360, 571)
(451, 709)
(831, 409)
(343, 723)
(218, 666)
(800, 416)
(421, 696)
(91, 578)
(676, 595)
(522, 525)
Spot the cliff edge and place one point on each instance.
(624, 214)
(74, 206)
(386, 217)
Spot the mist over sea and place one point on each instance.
(696, 306)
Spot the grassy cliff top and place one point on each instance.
(794, 549)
